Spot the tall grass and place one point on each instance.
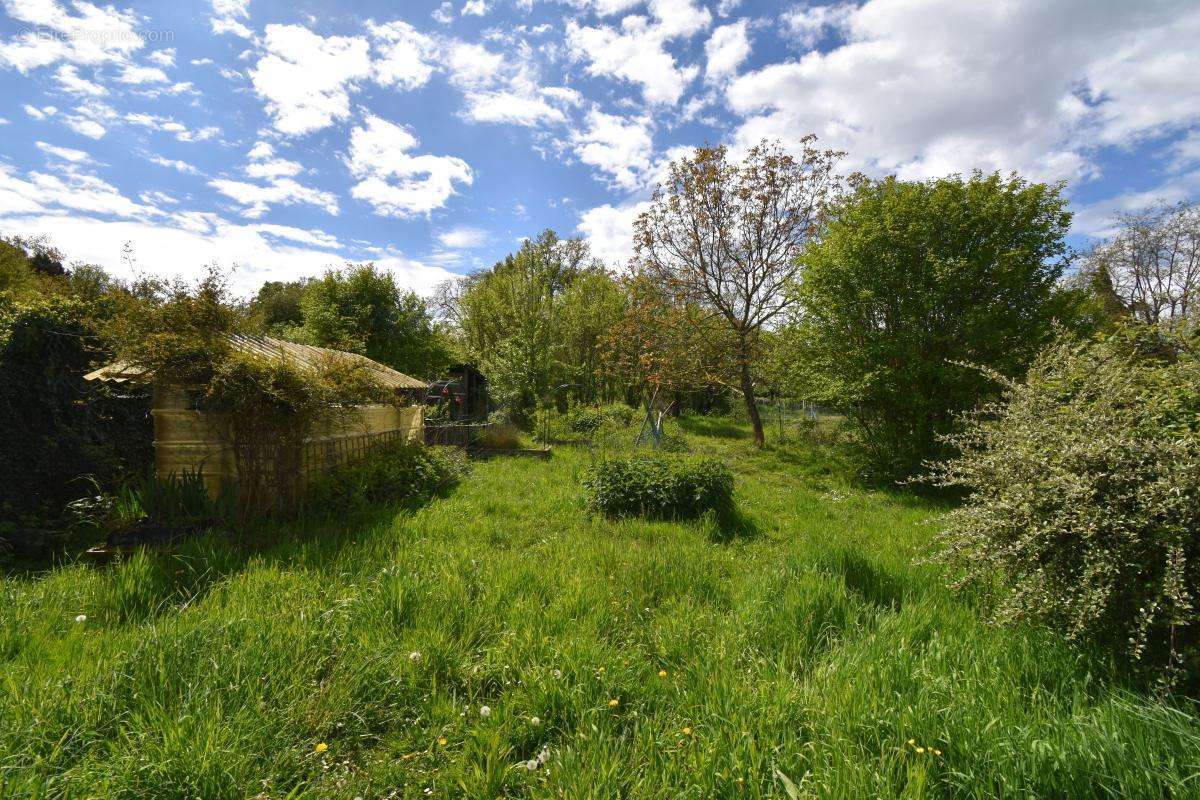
(796, 660)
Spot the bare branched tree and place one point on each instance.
(728, 235)
(1153, 263)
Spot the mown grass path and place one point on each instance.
(802, 654)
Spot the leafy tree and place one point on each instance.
(661, 348)
(908, 280)
(360, 309)
(277, 309)
(727, 236)
(526, 326)
(1149, 270)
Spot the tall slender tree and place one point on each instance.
(727, 236)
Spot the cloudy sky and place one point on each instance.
(431, 136)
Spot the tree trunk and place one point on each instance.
(748, 394)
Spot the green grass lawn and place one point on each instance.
(799, 653)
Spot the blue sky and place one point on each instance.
(430, 137)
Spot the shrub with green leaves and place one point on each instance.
(590, 419)
(1084, 501)
(651, 486)
(403, 472)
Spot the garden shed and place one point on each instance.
(187, 437)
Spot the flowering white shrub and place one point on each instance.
(1083, 509)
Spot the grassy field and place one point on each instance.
(799, 653)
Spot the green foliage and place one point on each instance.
(277, 309)
(589, 419)
(57, 427)
(361, 310)
(532, 322)
(1084, 498)
(815, 650)
(174, 500)
(909, 278)
(395, 474)
(655, 487)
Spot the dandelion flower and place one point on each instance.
(558, 673)
(534, 721)
(687, 731)
(485, 711)
(415, 655)
(936, 752)
(442, 741)
(662, 673)
(614, 703)
(321, 747)
(912, 742)
(531, 764)
(81, 618)
(920, 749)
(600, 670)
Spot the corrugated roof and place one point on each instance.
(303, 356)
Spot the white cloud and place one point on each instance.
(609, 231)
(86, 127)
(306, 79)
(185, 244)
(95, 35)
(474, 8)
(137, 75)
(378, 153)
(637, 51)
(164, 57)
(726, 49)
(172, 126)
(67, 189)
(69, 80)
(65, 153)
(256, 198)
(227, 16)
(620, 148)
(463, 237)
(926, 87)
(407, 56)
(505, 90)
(172, 163)
(444, 14)
(807, 23)
(278, 187)
(40, 113)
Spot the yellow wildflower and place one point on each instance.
(662, 673)
(687, 731)
(920, 749)
(442, 741)
(614, 703)
(321, 747)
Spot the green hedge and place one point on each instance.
(397, 473)
(656, 487)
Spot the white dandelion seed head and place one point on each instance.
(558, 673)
(415, 655)
(531, 764)
(81, 618)
(534, 721)
(485, 711)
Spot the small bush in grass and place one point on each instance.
(397, 473)
(652, 486)
(1084, 500)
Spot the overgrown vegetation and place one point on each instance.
(659, 488)
(908, 280)
(394, 474)
(353, 656)
(1084, 499)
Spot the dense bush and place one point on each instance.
(652, 486)
(397, 473)
(589, 419)
(909, 278)
(1084, 500)
(57, 427)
